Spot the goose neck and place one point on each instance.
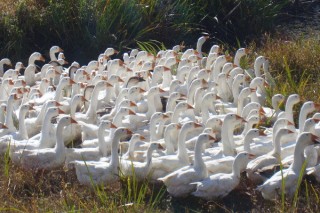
(59, 147)
(9, 120)
(198, 161)
(182, 150)
(226, 134)
(22, 126)
(114, 150)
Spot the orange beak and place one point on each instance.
(129, 132)
(113, 126)
(132, 104)
(251, 156)
(196, 125)
(73, 121)
(189, 106)
(261, 133)
(61, 111)
(142, 137)
(131, 112)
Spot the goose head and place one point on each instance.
(110, 51)
(178, 48)
(214, 49)
(258, 82)
(55, 49)
(241, 52)
(36, 56)
(241, 161)
(309, 125)
(258, 64)
(277, 100)
(292, 100)
(227, 67)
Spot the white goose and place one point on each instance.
(94, 172)
(178, 182)
(273, 186)
(140, 170)
(221, 184)
(165, 164)
(49, 158)
(271, 158)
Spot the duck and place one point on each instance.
(272, 188)
(178, 182)
(91, 173)
(220, 185)
(47, 158)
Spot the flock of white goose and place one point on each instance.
(190, 120)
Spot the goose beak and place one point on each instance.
(165, 116)
(120, 80)
(253, 90)
(109, 85)
(241, 118)
(60, 49)
(129, 132)
(266, 84)
(11, 82)
(116, 51)
(160, 147)
(141, 90)
(131, 112)
(113, 126)
(261, 111)
(189, 106)
(316, 120)
(228, 58)
(2, 126)
(72, 81)
(290, 132)
(218, 97)
(73, 121)
(121, 63)
(132, 104)
(31, 107)
(15, 97)
(42, 58)
(317, 106)
(142, 137)
(234, 66)
(161, 90)
(315, 138)
(57, 104)
(61, 111)
(261, 133)
(251, 156)
(212, 138)
(290, 123)
(197, 125)
(179, 126)
(166, 69)
(246, 50)
(83, 99)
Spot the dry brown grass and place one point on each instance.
(295, 64)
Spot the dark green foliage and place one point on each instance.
(84, 28)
